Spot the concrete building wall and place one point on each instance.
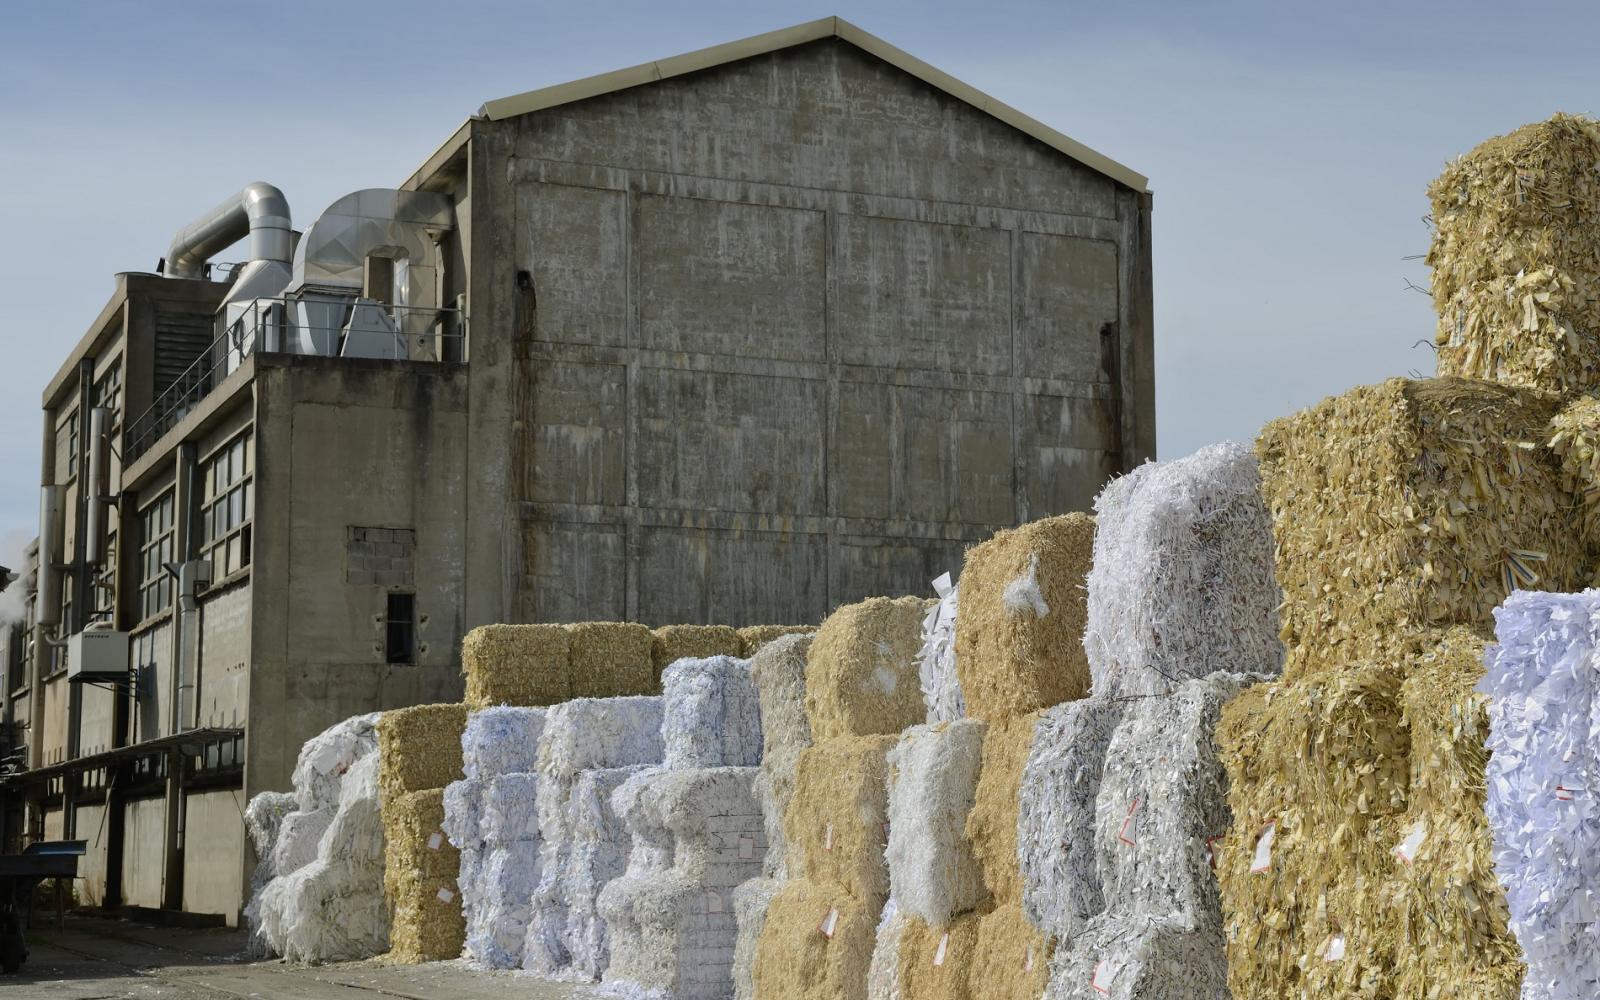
(92, 829)
(143, 852)
(225, 656)
(361, 484)
(786, 333)
(213, 862)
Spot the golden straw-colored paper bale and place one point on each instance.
(936, 962)
(419, 747)
(1575, 439)
(753, 637)
(1516, 258)
(837, 818)
(861, 672)
(1455, 940)
(1012, 960)
(520, 665)
(1020, 620)
(796, 961)
(419, 877)
(611, 660)
(1408, 506)
(671, 643)
(992, 823)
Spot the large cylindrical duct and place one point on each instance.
(259, 211)
(49, 610)
(94, 550)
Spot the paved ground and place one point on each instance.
(94, 959)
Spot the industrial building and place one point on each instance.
(732, 337)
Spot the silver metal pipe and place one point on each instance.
(49, 611)
(95, 549)
(259, 211)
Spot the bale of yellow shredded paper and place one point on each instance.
(419, 748)
(835, 823)
(671, 643)
(992, 823)
(753, 637)
(1413, 505)
(1516, 258)
(420, 869)
(611, 660)
(861, 671)
(520, 665)
(1020, 619)
(1012, 959)
(816, 944)
(936, 962)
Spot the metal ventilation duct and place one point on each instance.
(401, 225)
(259, 211)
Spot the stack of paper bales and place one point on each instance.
(671, 643)
(779, 672)
(1183, 581)
(1543, 680)
(698, 835)
(936, 661)
(862, 689)
(491, 818)
(589, 747)
(420, 753)
(334, 909)
(540, 665)
(263, 818)
(1019, 623)
(1407, 506)
(291, 832)
(1161, 806)
(1516, 258)
(754, 638)
(926, 934)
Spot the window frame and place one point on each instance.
(227, 507)
(155, 552)
(400, 633)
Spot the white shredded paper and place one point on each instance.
(936, 660)
(1544, 742)
(712, 714)
(933, 770)
(501, 740)
(1183, 580)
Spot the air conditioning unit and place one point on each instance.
(97, 654)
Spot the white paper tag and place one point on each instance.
(1407, 849)
(713, 901)
(1104, 973)
(1211, 850)
(1333, 951)
(1263, 859)
(1125, 834)
(938, 955)
(1565, 793)
(435, 841)
(827, 836)
(747, 847)
(445, 895)
(829, 921)
(1027, 960)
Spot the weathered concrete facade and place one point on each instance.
(763, 339)
(742, 342)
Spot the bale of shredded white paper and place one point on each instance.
(1183, 577)
(750, 903)
(511, 809)
(933, 874)
(589, 734)
(497, 921)
(324, 759)
(883, 972)
(1140, 958)
(501, 740)
(1163, 799)
(779, 670)
(1056, 814)
(712, 715)
(298, 837)
(333, 909)
(1544, 742)
(463, 812)
(936, 660)
(675, 929)
(263, 818)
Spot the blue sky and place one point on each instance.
(1289, 147)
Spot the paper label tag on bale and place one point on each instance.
(938, 955)
(713, 901)
(1262, 862)
(445, 895)
(434, 842)
(1333, 951)
(830, 920)
(747, 847)
(1126, 833)
(1407, 849)
(1104, 973)
(827, 837)
(1027, 959)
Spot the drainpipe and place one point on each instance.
(259, 211)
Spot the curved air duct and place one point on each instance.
(259, 211)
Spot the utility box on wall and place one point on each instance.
(97, 655)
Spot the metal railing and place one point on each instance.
(400, 332)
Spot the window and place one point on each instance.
(107, 392)
(67, 441)
(155, 551)
(227, 507)
(400, 643)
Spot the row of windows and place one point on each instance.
(227, 506)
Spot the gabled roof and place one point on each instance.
(773, 41)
